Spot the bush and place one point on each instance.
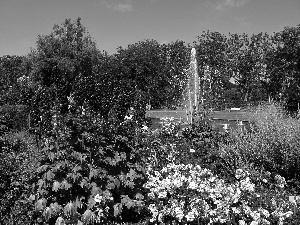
(18, 163)
(90, 172)
(273, 145)
(14, 117)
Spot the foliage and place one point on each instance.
(188, 193)
(212, 56)
(12, 117)
(92, 158)
(90, 172)
(11, 69)
(272, 144)
(153, 72)
(19, 160)
(63, 63)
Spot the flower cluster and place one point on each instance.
(169, 126)
(189, 193)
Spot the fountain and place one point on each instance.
(193, 99)
(193, 88)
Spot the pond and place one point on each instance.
(220, 120)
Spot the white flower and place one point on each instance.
(151, 195)
(192, 185)
(239, 173)
(128, 117)
(247, 185)
(255, 215)
(145, 128)
(162, 194)
(98, 198)
(236, 210)
(190, 216)
(179, 213)
(242, 222)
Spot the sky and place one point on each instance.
(114, 23)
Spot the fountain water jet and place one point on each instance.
(193, 88)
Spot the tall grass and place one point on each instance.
(272, 144)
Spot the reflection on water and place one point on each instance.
(217, 124)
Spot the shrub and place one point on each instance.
(191, 194)
(14, 117)
(90, 172)
(273, 144)
(18, 163)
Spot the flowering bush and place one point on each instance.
(187, 193)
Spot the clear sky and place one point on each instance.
(114, 23)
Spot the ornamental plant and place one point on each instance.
(90, 172)
(191, 194)
(188, 192)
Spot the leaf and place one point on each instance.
(66, 185)
(77, 168)
(95, 190)
(92, 174)
(47, 213)
(125, 200)
(60, 221)
(117, 209)
(42, 168)
(83, 183)
(139, 196)
(129, 183)
(110, 185)
(56, 207)
(31, 198)
(78, 202)
(70, 209)
(40, 204)
(49, 175)
(56, 186)
(88, 217)
(91, 203)
(51, 156)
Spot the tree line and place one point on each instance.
(67, 63)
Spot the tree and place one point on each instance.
(11, 69)
(63, 64)
(248, 62)
(177, 59)
(141, 66)
(212, 58)
(283, 74)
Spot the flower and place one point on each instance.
(162, 194)
(128, 117)
(280, 181)
(151, 195)
(179, 213)
(247, 185)
(239, 173)
(192, 185)
(145, 128)
(190, 216)
(242, 222)
(98, 198)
